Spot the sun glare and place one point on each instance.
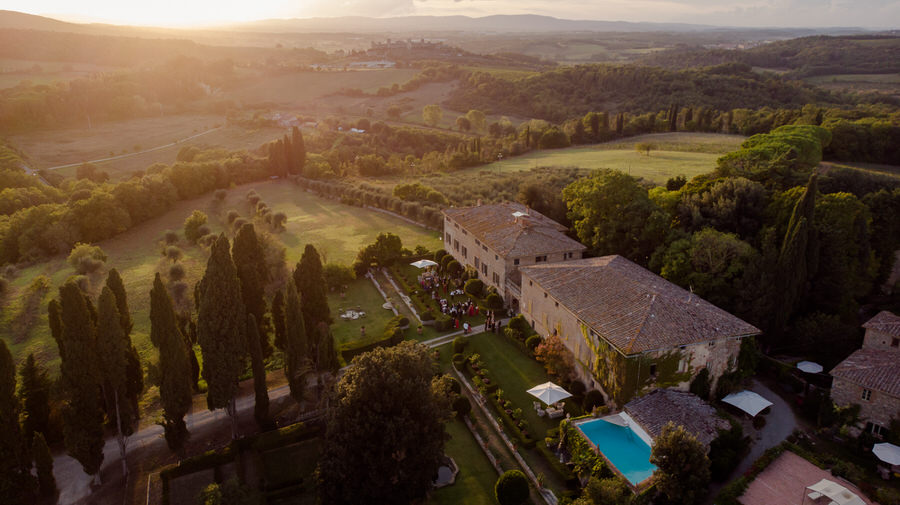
(162, 13)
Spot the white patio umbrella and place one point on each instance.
(748, 401)
(889, 453)
(809, 367)
(423, 264)
(549, 393)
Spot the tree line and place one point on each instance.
(90, 209)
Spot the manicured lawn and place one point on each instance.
(475, 481)
(363, 295)
(515, 373)
(658, 167)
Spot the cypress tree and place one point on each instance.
(113, 350)
(55, 321)
(299, 150)
(16, 483)
(174, 365)
(278, 318)
(134, 370)
(310, 280)
(43, 462)
(261, 403)
(797, 255)
(295, 346)
(249, 261)
(326, 358)
(34, 397)
(221, 330)
(289, 163)
(81, 380)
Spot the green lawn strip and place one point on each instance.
(515, 373)
(475, 481)
(361, 294)
(293, 464)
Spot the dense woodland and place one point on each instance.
(801, 57)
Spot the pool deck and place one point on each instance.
(635, 488)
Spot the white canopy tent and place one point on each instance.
(423, 264)
(810, 367)
(838, 494)
(889, 453)
(748, 401)
(549, 393)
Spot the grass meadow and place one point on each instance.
(674, 154)
(337, 230)
(52, 148)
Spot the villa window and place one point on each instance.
(557, 303)
(895, 342)
(682, 365)
(456, 244)
(448, 238)
(653, 370)
(484, 247)
(484, 268)
(496, 257)
(465, 252)
(477, 242)
(516, 261)
(876, 429)
(465, 232)
(866, 394)
(477, 263)
(545, 294)
(538, 259)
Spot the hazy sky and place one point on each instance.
(867, 13)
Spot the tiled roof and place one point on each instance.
(661, 406)
(873, 369)
(529, 233)
(884, 322)
(633, 308)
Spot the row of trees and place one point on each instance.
(85, 211)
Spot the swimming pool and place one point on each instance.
(627, 450)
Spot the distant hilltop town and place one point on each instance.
(407, 44)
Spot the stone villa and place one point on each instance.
(870, 377)
(630, 330)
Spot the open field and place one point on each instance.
(710, 143)
(860, 83)
(305, 87)
(337, 230)
(657, 168)
(52, 148)
(889, 170)
(13, 71)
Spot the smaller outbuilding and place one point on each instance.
(661, 406)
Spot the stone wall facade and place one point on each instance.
(878, 340)
(620, 377)
(493, 268)
(879, 408)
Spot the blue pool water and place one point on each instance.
(622, 447)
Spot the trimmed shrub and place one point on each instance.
(462, 406)
(459, 360)
(531, 342)
(176, 272)
(193, 225)
(172, 253)
(459, 344)
(231, 216)
(474, 287)
(593, 398)
(439, 255)
(170, 237)
(511, 488)
(454, 268)
(220, 194)
(494, 301)
(443, 322)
